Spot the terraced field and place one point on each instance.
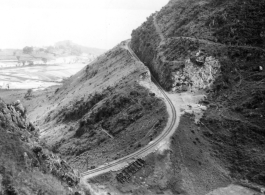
(37, 76)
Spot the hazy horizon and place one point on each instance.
(98, 24)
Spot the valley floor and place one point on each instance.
(36, 76)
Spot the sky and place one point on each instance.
(93, 23)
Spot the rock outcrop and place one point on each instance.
(195, 77)
(24, 161)
(170, 38)
(215, 47)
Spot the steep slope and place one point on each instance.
(217, 48)
(222, 29)
(27, 167)
(102, 113)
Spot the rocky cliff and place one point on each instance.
(224, 30)
(216, 47)
(26, 166)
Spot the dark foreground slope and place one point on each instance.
(26, 167)
(216, 47)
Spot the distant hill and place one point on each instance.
(83, 49)
(61, 52)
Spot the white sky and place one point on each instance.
(93, 23)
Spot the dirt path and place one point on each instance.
(163, 39)
(158, 30)
(233, 190)
(106, 132)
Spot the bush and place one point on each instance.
(27, 50)
(80, 108)
(28, 94)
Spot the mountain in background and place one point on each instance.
(62, 52)
(83, 49)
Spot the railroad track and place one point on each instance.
(151, 146)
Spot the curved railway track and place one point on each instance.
(151, 146)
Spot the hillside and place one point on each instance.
(103, 109)
(209, 55)
(221, 28)
(215, 47)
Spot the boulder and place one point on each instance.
(19, 107)
(37, 149)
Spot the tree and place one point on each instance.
(50, 49)
(44, 60)
(27, 50)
